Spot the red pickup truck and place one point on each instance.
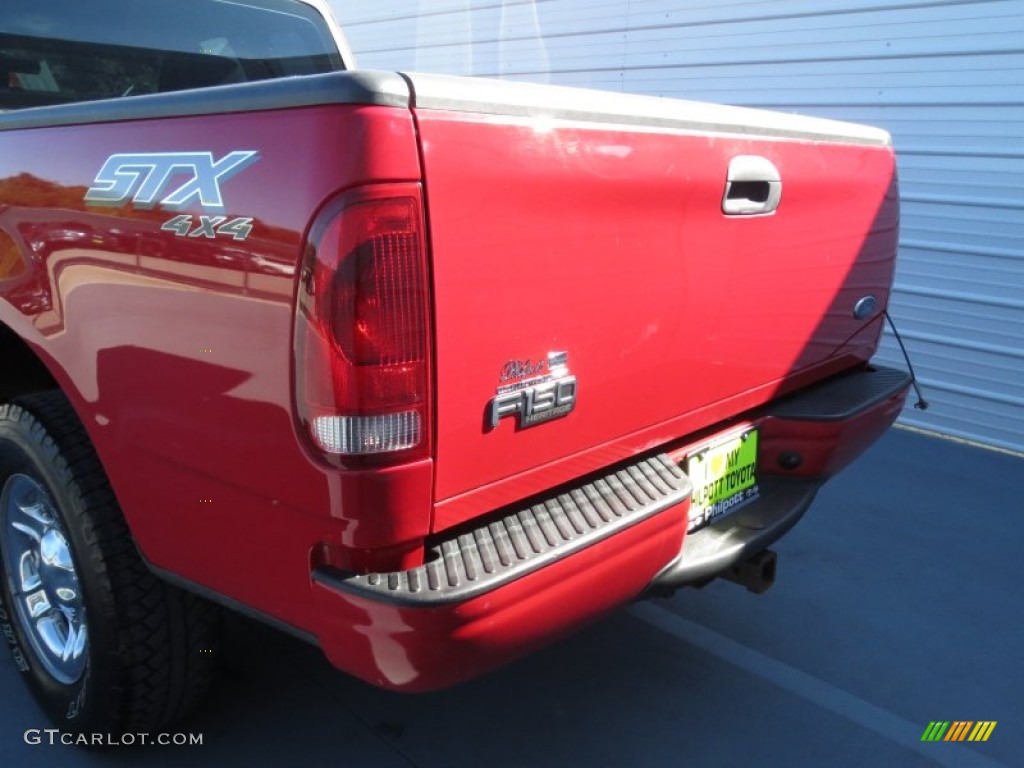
(426, 370)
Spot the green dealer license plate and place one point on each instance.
(724, 477)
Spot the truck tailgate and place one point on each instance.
(567, 221)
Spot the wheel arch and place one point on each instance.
(23, 371)
(26, 370)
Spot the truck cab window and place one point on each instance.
(67, 51)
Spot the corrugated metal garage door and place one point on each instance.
(946, 78)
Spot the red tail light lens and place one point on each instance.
(362, 360)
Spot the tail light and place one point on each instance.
(362, 343)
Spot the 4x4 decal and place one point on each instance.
(172, 181)
(208, 226)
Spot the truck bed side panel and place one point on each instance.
(176, 348)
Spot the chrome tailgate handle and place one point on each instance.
(753, 187)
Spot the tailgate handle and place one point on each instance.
(753, 187)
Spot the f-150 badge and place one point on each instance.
(533, 391)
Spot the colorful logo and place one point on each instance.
(959, 730)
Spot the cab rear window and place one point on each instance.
(64, 51)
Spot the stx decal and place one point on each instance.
(146, 179)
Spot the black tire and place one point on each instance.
(150, 650)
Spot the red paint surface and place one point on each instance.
(412, 649)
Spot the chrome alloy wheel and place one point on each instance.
(42, 580)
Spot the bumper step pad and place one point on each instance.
(842, 397)
(482, 559)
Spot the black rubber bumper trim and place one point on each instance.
(492, 555)
(843, 396)
(711, 550)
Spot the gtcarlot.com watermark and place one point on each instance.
(54, 736)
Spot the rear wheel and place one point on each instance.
(104, 645)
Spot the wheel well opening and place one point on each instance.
(21, 371)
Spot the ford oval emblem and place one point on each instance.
(865, 307)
